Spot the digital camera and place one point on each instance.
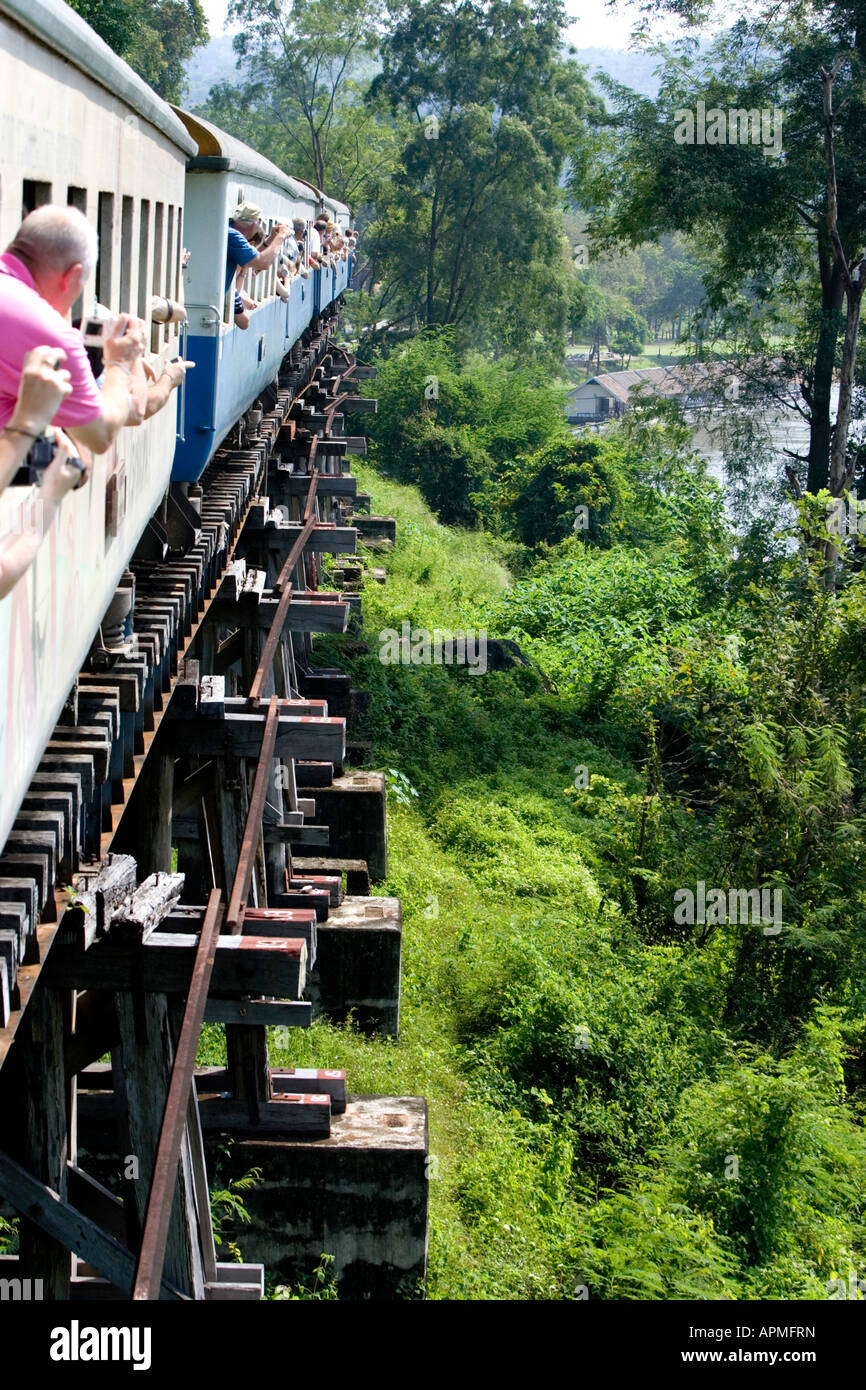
(40, 454)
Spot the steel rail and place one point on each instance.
(270, 647)
(151, 1258)
(253, 825)
(297, 549)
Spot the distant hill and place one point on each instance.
(213, 63)
(634, 70)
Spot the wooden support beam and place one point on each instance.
(71, 1228)
(247, 1045)
(330, 484)
(44, 1141)
(165, 1170)
(270, 1013)
(290, 1114)
(146, 1057)
(321, 740)
(163, 965)
(95, 1201)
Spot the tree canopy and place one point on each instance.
(156, 37)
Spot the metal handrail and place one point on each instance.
(217, 321)
(181, 433)
(217, 313)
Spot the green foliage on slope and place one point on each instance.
(621, 1106)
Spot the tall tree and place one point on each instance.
(156, 37)
(305, 67)
(471, 236)
(788, 221)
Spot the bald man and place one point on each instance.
(42, 273)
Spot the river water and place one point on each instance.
(783, 431)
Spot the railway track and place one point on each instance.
(90, 768)
(202, 733)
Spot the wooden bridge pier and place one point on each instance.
(206, 738)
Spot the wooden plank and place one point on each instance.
(291, 1114)
(310, 836)
(330, 484)
(244, 965)
(95, 1201)
(242, 1281)
(139, 915)
(311, 1081)
(305, 737)
(271, 1013)
(289, 922)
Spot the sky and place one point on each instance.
(594, 24)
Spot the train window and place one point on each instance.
(178, 257)
(105, 261)
(267, 283)
(169, 250)
(156, 283)
(77, 198)
(143, 253)
(126, 217)
(33, 195)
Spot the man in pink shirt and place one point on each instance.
(42, 273)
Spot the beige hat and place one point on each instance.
(246, 212)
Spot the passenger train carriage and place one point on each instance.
(233, 366)
(79, 126)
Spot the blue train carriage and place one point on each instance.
(332, 281)
(80, 127)
(232, 365)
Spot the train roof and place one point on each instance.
(220, 151)
(333, 203)
(60, 28)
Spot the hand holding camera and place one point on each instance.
(123, 341)
(66, 472)
(44, 386)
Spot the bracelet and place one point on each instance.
(13, 429)
(122, 365)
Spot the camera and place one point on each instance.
(40, 454)
(93, 329)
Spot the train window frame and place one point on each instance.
(159, 261)
(35, 193)
(76, 197)
(104, 284)
(126, 286)
(178, 254)
(144, 239)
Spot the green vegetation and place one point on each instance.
(621, 1103)
(156, 37)
(623, 1100)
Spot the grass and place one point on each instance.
(573, 1061)
(497, 1229)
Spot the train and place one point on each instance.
(79, 126)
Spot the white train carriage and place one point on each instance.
(80, 127)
